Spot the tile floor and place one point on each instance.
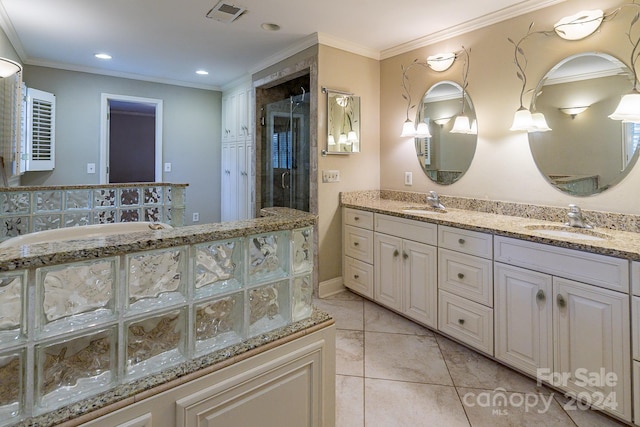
(391, 372)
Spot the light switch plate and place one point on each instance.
(91, 168)
(167, 167)
(408, 178)
(331, 175)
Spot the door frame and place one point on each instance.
(104, 132)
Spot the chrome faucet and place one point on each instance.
(576, 219)
(433, 200)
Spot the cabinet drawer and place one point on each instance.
(635, 328)
(362, 219)
(358, 243)
(465, 320)
(466, 276)
(466, 241)
(594, 269)
(418, 231)
(358, 276)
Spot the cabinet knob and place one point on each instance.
(405, 255)
(396, 253)
(355, 276)
(461, 241)
(540, 295)
(460, 276)
(356, 244)
(357, 218)
(461, 321)
(561, 301)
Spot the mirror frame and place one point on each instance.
(563, 182)
(343, 110)
(433, 126)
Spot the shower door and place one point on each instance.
(285, 154)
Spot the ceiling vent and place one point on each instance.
(225, 12)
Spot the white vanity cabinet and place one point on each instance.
(465, 286)
(565, 312)
(635, 331)
(405, 267)
(357, 248)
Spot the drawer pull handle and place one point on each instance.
(561, 302)
(461, 241)
(355, 276)
(396, 253)
(356, 244)
(540, 295)
(461, 321)
(460, 276)
(404, 255)
(357, 218)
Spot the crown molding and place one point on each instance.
(331, 41)
(299, 46)
(472, 25)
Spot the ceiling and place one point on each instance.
(168, 40)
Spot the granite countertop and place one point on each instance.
(127, 394)
(39, 255)
(621, 244)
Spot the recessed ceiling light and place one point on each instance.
(202, 72)
(102, 56)
(270, 27)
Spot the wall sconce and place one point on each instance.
(580, 25)
(573, 111)
(442, 121)
(461, 123)
(331, 140)
(441, 61)
(628, 109)
(8, 67)
(423, 130)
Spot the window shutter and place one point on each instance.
(40, 131)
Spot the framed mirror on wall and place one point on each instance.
(343, 122)
(446, 152)
(585, 152)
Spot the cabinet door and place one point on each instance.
(229, 118)
(419, 282)
(592, 341)
(523, 335)
(242, 194)
(388, 270)
(228, 208)
(242, 110)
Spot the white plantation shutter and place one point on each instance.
(40, 131)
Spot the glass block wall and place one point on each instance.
(28, 209)
(73, 330)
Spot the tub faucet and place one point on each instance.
(433, 200)
(576, 219)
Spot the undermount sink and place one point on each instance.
(423, 210)
(563, 231)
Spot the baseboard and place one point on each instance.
(330, 287)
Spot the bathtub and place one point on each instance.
(83, 232)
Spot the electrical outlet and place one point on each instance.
(408, 178)
(91, 168)
(331, 175)
(167, 167)
(196, 217)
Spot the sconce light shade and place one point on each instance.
(461, 125)
(342, 139)
(8, 67)
(573, 111)
(352, 137)
(331, 140)
(474, 128)
(441, 61)
(443, 121)
(408, 129)
(580, 25)
(539, 123)
(628, 109)
(525, 121)
(423, 130)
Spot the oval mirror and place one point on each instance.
(446, 152)
(585, 152)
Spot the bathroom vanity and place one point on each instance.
(556, 303)
(197, 325)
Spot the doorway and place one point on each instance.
(131, 139)
(285, 147)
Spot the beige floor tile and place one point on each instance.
(349, 401)
(499, 408)
(345, 296)
(402, 404)
(473, 370)
(348, 314)
(414, 358)
(349, 352)
(583, 417)
(379, 319)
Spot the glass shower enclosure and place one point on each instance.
(285, 153)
